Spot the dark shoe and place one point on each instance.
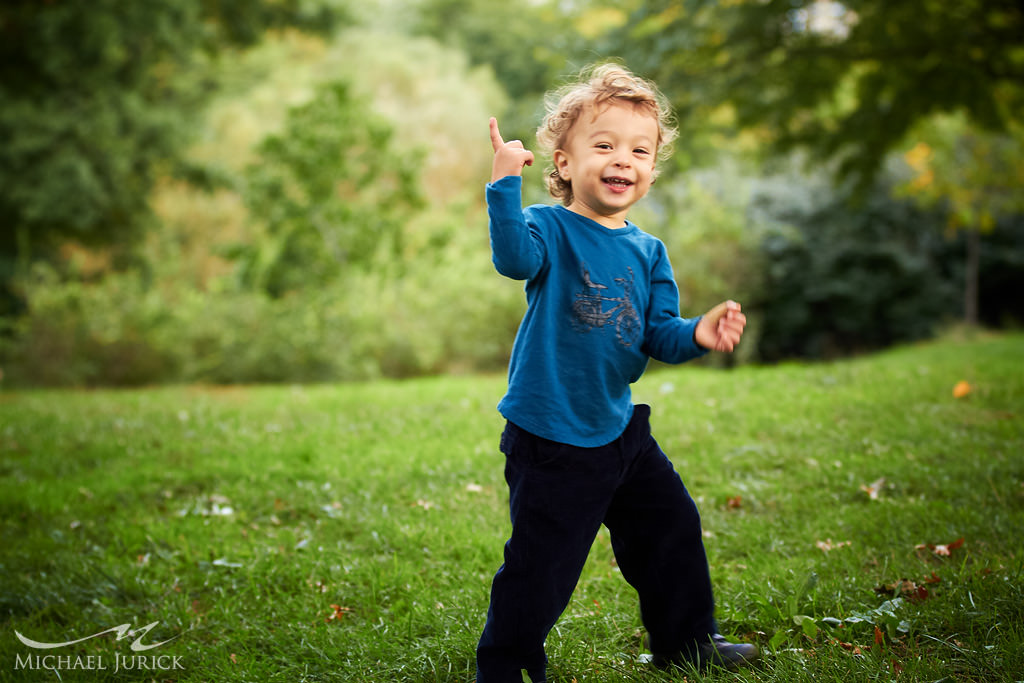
(717, 651)
(723, 653)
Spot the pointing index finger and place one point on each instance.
(496, 140)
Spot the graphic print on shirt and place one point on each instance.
(594, 308)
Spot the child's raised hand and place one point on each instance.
(721, 328)
(509, 157)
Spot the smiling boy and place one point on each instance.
(602, 301)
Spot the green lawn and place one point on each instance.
(349, 532)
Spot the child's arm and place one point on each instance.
(517, 252)
(673, 339)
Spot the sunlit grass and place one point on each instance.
(349, 532)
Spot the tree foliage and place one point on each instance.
(97, 98)
(332, 189)
(517, 39)
(529, 45)
(846, 80)
(979, 174)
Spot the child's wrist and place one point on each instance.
(513, 178)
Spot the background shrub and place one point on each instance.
(843, 277)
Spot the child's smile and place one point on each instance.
(618, 184)
(609, 159)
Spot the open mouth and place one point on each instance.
(617, 182)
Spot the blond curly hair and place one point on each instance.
(597, 85)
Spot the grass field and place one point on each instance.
(862, 523)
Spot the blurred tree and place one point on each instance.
(846, 79)
(977, 174)
(842, 278)
(97, 97)
(524, 42)
(333, 190)
(528, 44)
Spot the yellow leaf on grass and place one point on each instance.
(961, 389)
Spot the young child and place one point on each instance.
(601, 301)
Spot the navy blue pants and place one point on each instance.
(559, 497)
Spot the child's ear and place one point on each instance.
(561, 161)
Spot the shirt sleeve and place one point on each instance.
(516, 250)
(667, 336)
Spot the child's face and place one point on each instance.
(609, 158)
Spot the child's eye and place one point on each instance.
(641, 150)
(603, 145)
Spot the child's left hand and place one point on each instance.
(721, 328)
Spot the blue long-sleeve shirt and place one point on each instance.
(601, 302)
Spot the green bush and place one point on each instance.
(444, 312)
(843, 277)
(74, 333)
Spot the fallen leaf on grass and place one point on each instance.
(425, 504)
(855, 649)
(474, 488)
(941, 550)
(944, 550)
(961, 389)
(734, 503)
(908, 588)
(828, 545)
(874, 488)
(234, 659)
(903, 586)
(337, 613)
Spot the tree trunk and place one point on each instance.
(971, 275)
